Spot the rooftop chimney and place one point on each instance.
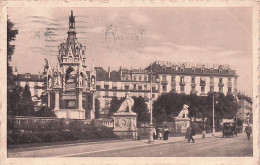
(108, 72)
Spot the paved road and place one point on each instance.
(174, 147)
(210, 147)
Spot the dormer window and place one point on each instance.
(193, 69)
(220, 69)
(173, 69)
(27, 75)
(211, 70)
(182, 68)
(164, 68)
(202, 70)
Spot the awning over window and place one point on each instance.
(203, 78)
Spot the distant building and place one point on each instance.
(245, 109)
(36, 84)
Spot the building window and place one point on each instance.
(153, 89)
(220, 90)
(145, 78)
(164, 78)
(114, 94)
(36, 83)
(193, 89)
(127, 87)
(145, 95)
(212, 80)
(134, 77)
(134, 86)
(211, 70)
(107, 104)
(106, 93)
(182, 80)
(164, 88)
(173, 68)
(229, 89)
(106, 87)
(173, 78)
(114, 88)
(173, 88)
(98, 87)
(153, 96)
(202, 70)
(27, 83)
(164, 69)
(145, 87)
(140, 88)
(27, 75)
(202, 89)
(140, 77)
(211, 89)
(182, 88)
(36, 92)
(193, 70)
(220, 80)
(202, 81)
(193, 80)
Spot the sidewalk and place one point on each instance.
(92, 147)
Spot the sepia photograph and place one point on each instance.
(153, 82)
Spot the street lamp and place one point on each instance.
(213, 125)
(151, 111)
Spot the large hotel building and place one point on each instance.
(166, 77)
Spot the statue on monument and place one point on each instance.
(127, 105)
(184, 112)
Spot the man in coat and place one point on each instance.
(248, 131)
(192, 133)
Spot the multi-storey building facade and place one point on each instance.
(166, 77)
(198, 79)
(36, 84)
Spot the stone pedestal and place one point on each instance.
(125, 125)
(181, 124)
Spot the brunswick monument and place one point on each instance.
(69, 82)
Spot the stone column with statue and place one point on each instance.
(182, 121)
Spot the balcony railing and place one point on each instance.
(220, 84)
(164, 82)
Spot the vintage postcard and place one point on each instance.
(129, 82)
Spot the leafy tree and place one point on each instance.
(26, 105)
(115, 105)
(140, 107)
(45, 111)
(97, 107)
(11, 35)
(14, 92)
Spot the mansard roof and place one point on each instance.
(187, 69)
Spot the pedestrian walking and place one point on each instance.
(188, 132)
(154, 134)
(192, 133)
(160, 134)
(248, 131)
(203, 134)
(165, 133)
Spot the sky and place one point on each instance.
(136, 37)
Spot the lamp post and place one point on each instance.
(213, 105)
(151, 113)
